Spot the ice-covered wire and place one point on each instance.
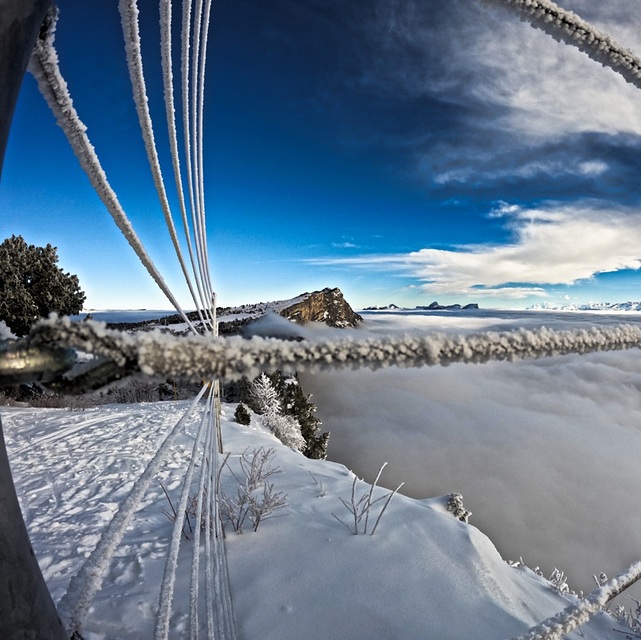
(199, 36)
(569, 28)
(187, 106)
(210, 542)
(74, 605)
(200, 104)
(200, 519)
(226, 622)
(131, 33)
(557, 627)
(161, 628)
(44, 66)
(170, 112)
(206, 357)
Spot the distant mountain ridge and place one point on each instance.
(434, 306)
(590, 306)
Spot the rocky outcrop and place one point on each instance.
(435, 306)
(328, 306)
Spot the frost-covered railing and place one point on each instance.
(557, 627)
(18, 364)
(204, 357)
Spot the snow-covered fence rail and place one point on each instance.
(207, 357)
(557, 627)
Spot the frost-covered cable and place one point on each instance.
(557, 627)
(569, 28)
(74, 605)
(168, 83)
(131, 34)
(198, 212)
(186, 47)
(161, 628)
(226, 621)
(200, 127)
(229, 630)
(193, 120)
(206, 357)
(212, 517)
(44, 66)
(195, 560)
(196, 248)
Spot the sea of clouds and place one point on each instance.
(546, 453)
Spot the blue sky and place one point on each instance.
(403, 151)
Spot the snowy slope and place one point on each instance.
(423, 574)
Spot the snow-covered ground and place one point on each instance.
(545, 454)
(303, 574)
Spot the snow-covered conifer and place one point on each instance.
(265, 396)
(287, 430)
(267, 402)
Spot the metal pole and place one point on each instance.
(26, 608)
(20, 21)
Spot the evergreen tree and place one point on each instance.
(238, 391)
(241, 415)
(32, 285)
(276, 394)
(298, 404)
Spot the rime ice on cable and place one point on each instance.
(44, 66)
(569, 28)
(557, 627)
(204, 357)
(131, 32)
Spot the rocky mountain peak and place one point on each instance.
(328, 306)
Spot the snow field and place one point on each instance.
(302, 574)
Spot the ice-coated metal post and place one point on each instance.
(26, 608)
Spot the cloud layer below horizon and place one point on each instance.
(545, 453)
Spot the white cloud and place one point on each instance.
(551, 246)
(344, 245)
(513, 87)
(542, 167)
(551, 88)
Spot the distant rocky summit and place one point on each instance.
(435, 306)
(389, 307)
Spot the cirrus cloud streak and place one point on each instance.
(550, 245)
